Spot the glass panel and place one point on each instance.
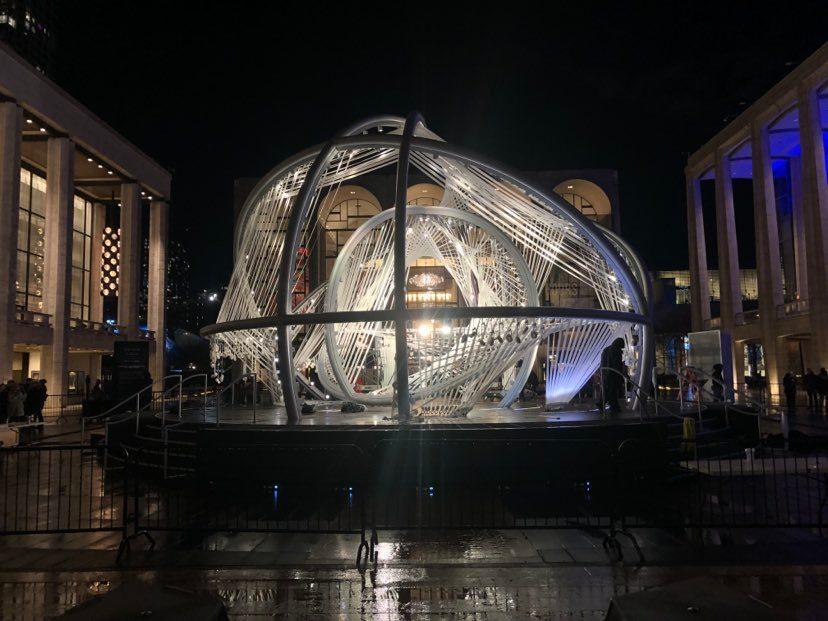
(23, 231)
(21, 271)
(20, 299)
(77, 285)
(78, 214)
(25, 188)
(38, 195)
(87, 262)
(88, 224)
(35, 304)
(37, 235)
(77, 249)
(35, 276)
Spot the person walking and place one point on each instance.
(789, 387)
(811, 382)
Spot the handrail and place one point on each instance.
(641, 394)
(206, 389)
(232, 385)
(136, 395)
(728, 404)
(745, 398)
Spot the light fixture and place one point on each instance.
(110, 261)
(43, 129)
(100, 165)
(426, 280)
(29, 121)
(570, 187)
(88, 159)
(424, 329)
(108, 172)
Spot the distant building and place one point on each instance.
(768, 165)
(28, 27)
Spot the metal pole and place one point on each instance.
(400, 325)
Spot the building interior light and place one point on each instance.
(100, 165)
(88, 159)
(108, 172)
(29, 121)
(43, 129)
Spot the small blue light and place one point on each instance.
(350, 489)
(275, 487)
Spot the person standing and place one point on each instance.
(41, 395)
(612, 364)
(717, 383)
(823, 388)
(4, 402)
(789, 386)
(811, 382)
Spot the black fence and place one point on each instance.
(59, 489)
(398, 485)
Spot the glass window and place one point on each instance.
(81, 258)
(31, 241)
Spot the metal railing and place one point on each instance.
(231, 388)
(32, 318)
(411, 483)
(794, 307)
(134, 398)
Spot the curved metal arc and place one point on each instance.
(401, 346)
(418, 314)
(647, 333)
(564, 209)
(403, 317)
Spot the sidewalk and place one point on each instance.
(496, 574)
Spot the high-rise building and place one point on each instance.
(28, 27)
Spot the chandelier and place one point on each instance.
(426, 280)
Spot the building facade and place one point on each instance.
(767, 168)
(72, 195)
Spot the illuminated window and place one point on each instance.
(31, 241)
(81, 258)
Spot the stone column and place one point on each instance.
(130, 275)
(799, 228)
(815, 216)
(730, 286)
(768, 262)
(699, 276)
(157, 294)
(11, 118)
(57, 272)
(96, 299)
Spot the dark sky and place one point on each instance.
(220, 90)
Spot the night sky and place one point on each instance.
(219, 90)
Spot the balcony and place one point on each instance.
(791, 309)
(32, 318)
(714, 323)
(94, 326)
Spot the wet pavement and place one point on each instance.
(547, 574)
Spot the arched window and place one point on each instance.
(342, 213)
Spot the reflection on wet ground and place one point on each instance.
(463, 574)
